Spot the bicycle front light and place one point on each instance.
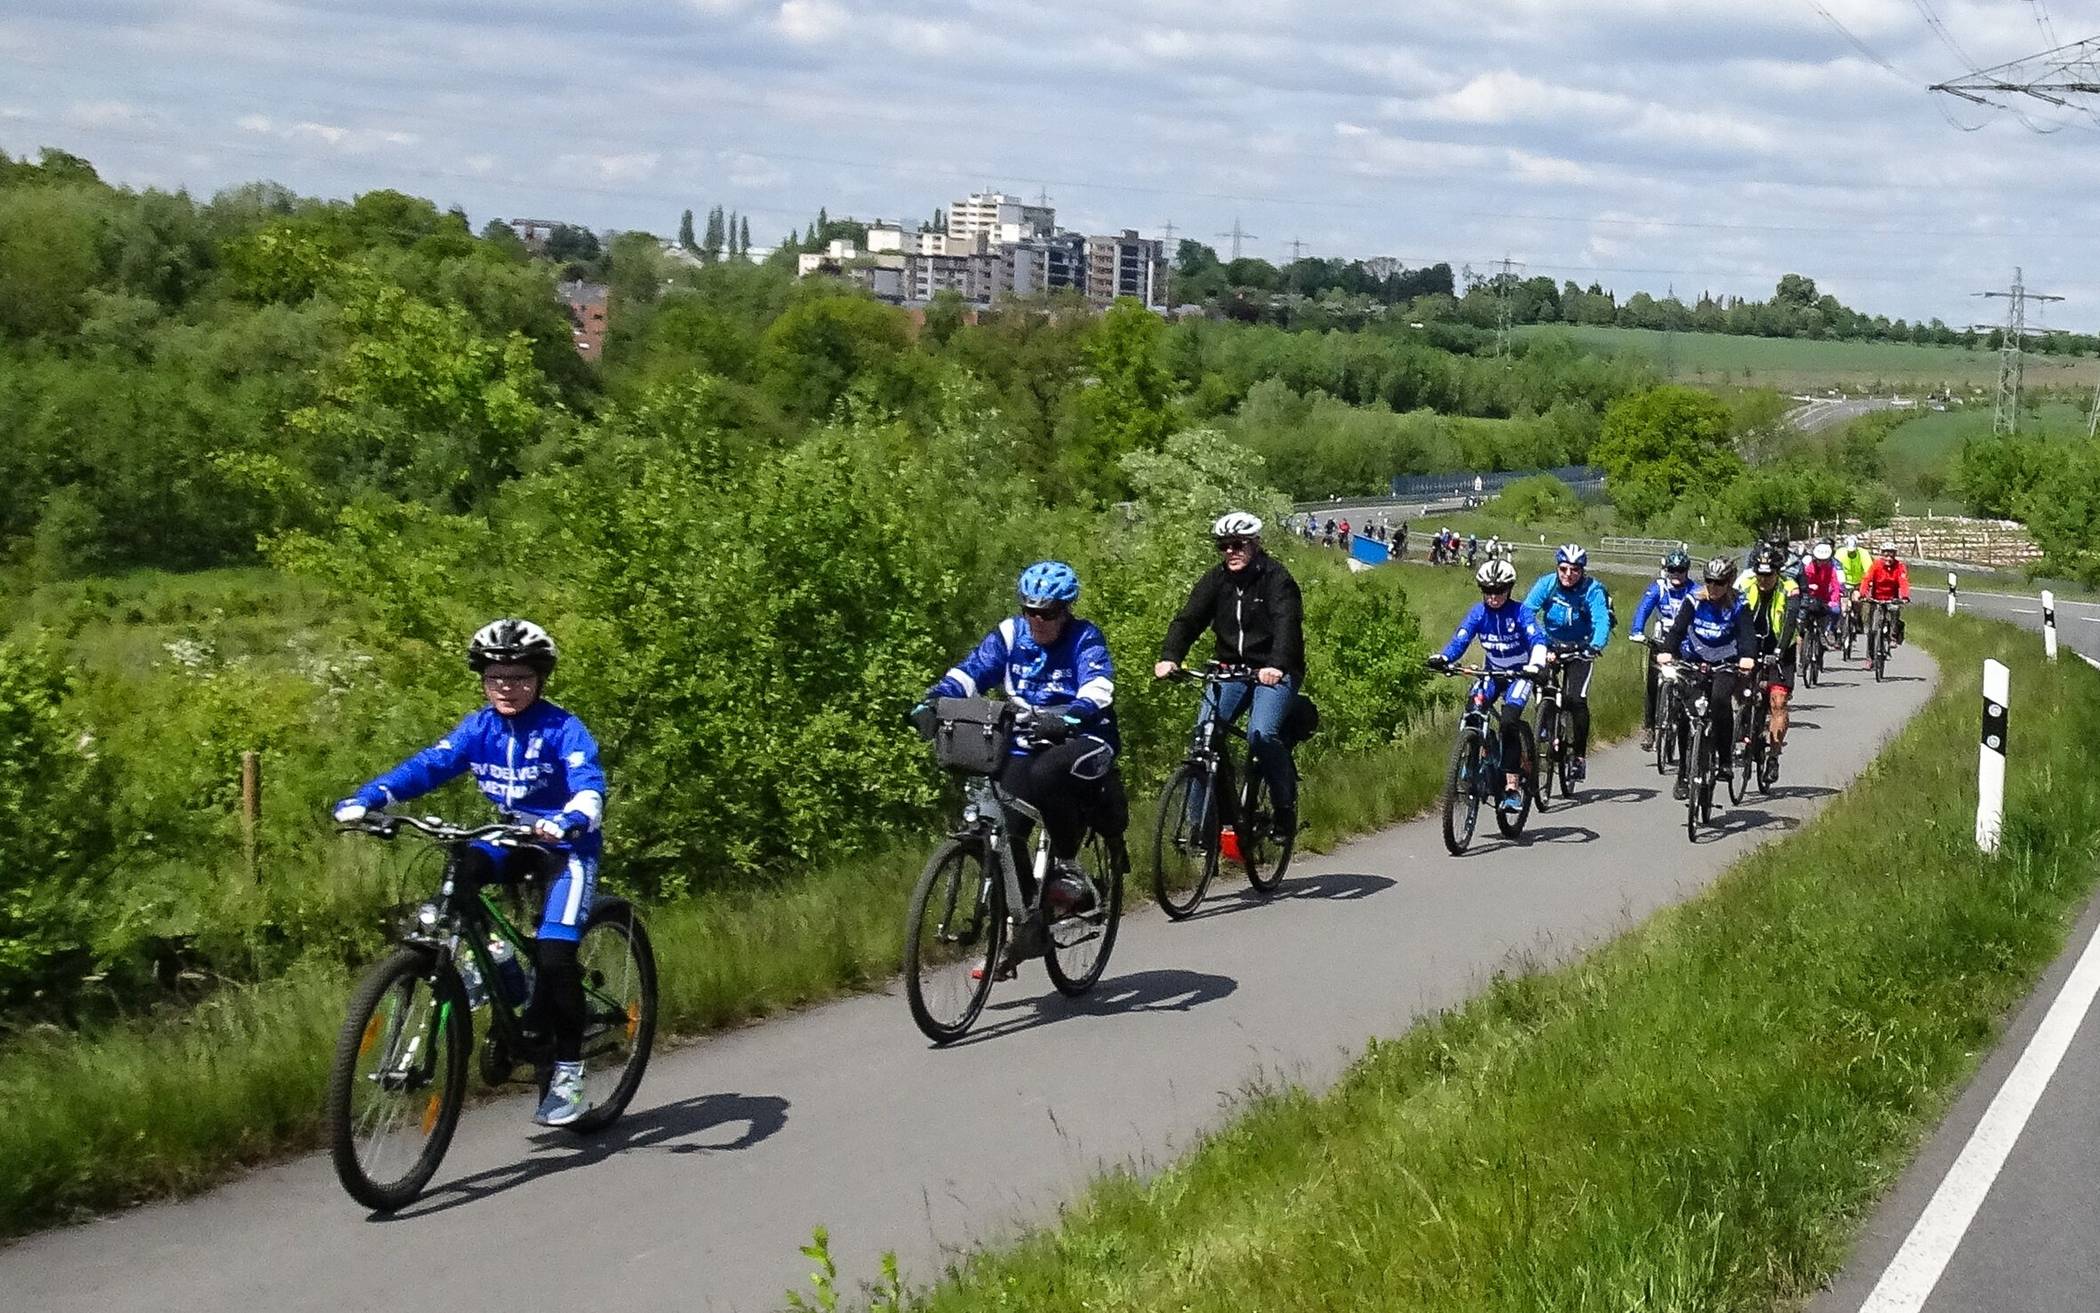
(971, 815)
(427, 916)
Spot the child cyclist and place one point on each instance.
(1515, 647)
(536, 762)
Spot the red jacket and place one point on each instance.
(1883, 584)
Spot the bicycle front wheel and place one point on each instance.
(619, 1007)
(1080, 944)
(1693, 768)
(1185, 841)
(952, 940)
(1512, 823)
(1462, 792)
(399, 1078)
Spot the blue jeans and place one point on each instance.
(1264, 731)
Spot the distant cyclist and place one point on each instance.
(1713, 627)
(1773, 602)
(536, 762)
(1573, 610)
(1853, 561)
(1660, 603)
(1515, 648)
(1252, 606)
(1887, 581)
(1822, 592)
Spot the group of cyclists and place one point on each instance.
(537, 762)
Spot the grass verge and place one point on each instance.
(1697, 1116)
(174, 1104)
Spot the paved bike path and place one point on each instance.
(737, 1146)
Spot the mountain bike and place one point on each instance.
(1847, 626)
(1881, 635)
(399, 1077)
(1477, 773)
(1813, 620)
(1669, 708)
(969, 922)
(1556, 740)
(1754, 759)
(1698, 764)
(1212, 811)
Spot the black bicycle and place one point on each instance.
(1477, 774)
(1755, 761)
(962, 932)
(1814, 623)
(1669, 695)
(399, 1078)
(1212, 811)
(1698, 762)
(1556, 739)
(1881, 635)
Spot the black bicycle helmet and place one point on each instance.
(1678, 563)
(1767, 559)
(511, 642)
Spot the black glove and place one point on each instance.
(1052, 729)
(1438, 661)
(923, 720)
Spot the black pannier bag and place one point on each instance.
(1302, 721)
(972, 735)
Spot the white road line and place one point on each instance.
(1909, 1280)
(2016, 610)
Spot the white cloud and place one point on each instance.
(812, 22)
(752, 173)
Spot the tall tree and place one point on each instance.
(743, 240)
(711, 245)
(685, 231)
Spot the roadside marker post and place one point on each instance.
(1990, 755)
(2049, 624)
(1953, 587)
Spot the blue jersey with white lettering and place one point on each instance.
(1074, 672)
(1662, 601)
(541, 762)
(1715, 630)
(1510, 636)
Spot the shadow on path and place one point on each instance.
(668, 1127)
(1562, 834)
(1612, 795)
(1742, 821)
(1140, 991)
(1333, 886)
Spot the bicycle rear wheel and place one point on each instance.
(619, 1004)
(1462, 792)
(1185, 840)
(952, 940)
(1265, 851)
(1079, 944)
(399, 1078)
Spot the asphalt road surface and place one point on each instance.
(2077, 623)
(2032, 1244)
(1819, 415)
(737, 1146)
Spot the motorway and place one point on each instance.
(738, 1145)
(2000, 1213)
(1819, 414)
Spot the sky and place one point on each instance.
(1700, 145)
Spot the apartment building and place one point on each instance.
(914, 241)
(1046, 264)
(1000, 218)
(1126, 265)
(586, 305)
(974, 277)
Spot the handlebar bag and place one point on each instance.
(972, 736)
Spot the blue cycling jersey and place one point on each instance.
(1509, 634)
(1715, 630)
(541, 762)
(1580, 614)
(1662, 600)
(1074, 672)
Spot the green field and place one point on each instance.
(1802, 364)
(1931, 444)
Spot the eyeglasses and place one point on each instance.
(1235, 544)
(1054, 611)
(1568, 567)
(509, 681)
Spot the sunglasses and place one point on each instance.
(1235, 544)
(1051, 612)
(508, 681)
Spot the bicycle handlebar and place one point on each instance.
(1213, 672)
(382, 825)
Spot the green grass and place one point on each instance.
(1930, 445)
(175, 1102)
(1697, 1116)
(1803, 364)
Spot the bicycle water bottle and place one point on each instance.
(470, 976)
(510, 973)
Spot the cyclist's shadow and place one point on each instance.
(667, 1126)
(1140, 991)
(1333, 886)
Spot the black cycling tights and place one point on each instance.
(1575, 696)
(1063, 783)
(557, 995)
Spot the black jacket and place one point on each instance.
(1257, 615)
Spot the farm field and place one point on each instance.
(1926, 448)
(1802, 364)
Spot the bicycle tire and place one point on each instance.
(968, 876)
(1547, 758)
(1265, 851)
(1107, 876)
(1171, 834)
(1695, 750)
(1512, 825)
(403, 970)
(1708, 775)
(1462, 792)
(617, 917)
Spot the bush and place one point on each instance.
(1540, 499)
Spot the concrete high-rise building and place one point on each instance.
(1126, 265)
(1046, 264)
(999, 218)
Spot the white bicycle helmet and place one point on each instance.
(1822, 551)
(1496, 576)
(1236, 524)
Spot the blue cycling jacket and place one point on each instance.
(542, 762)
(1713, 632)
(1577, 615)
(1074, 672)
(1509, 635)
(1662, 599)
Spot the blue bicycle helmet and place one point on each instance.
(1571, 554)
(1048, 581)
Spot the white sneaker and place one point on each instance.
(565, 1101)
